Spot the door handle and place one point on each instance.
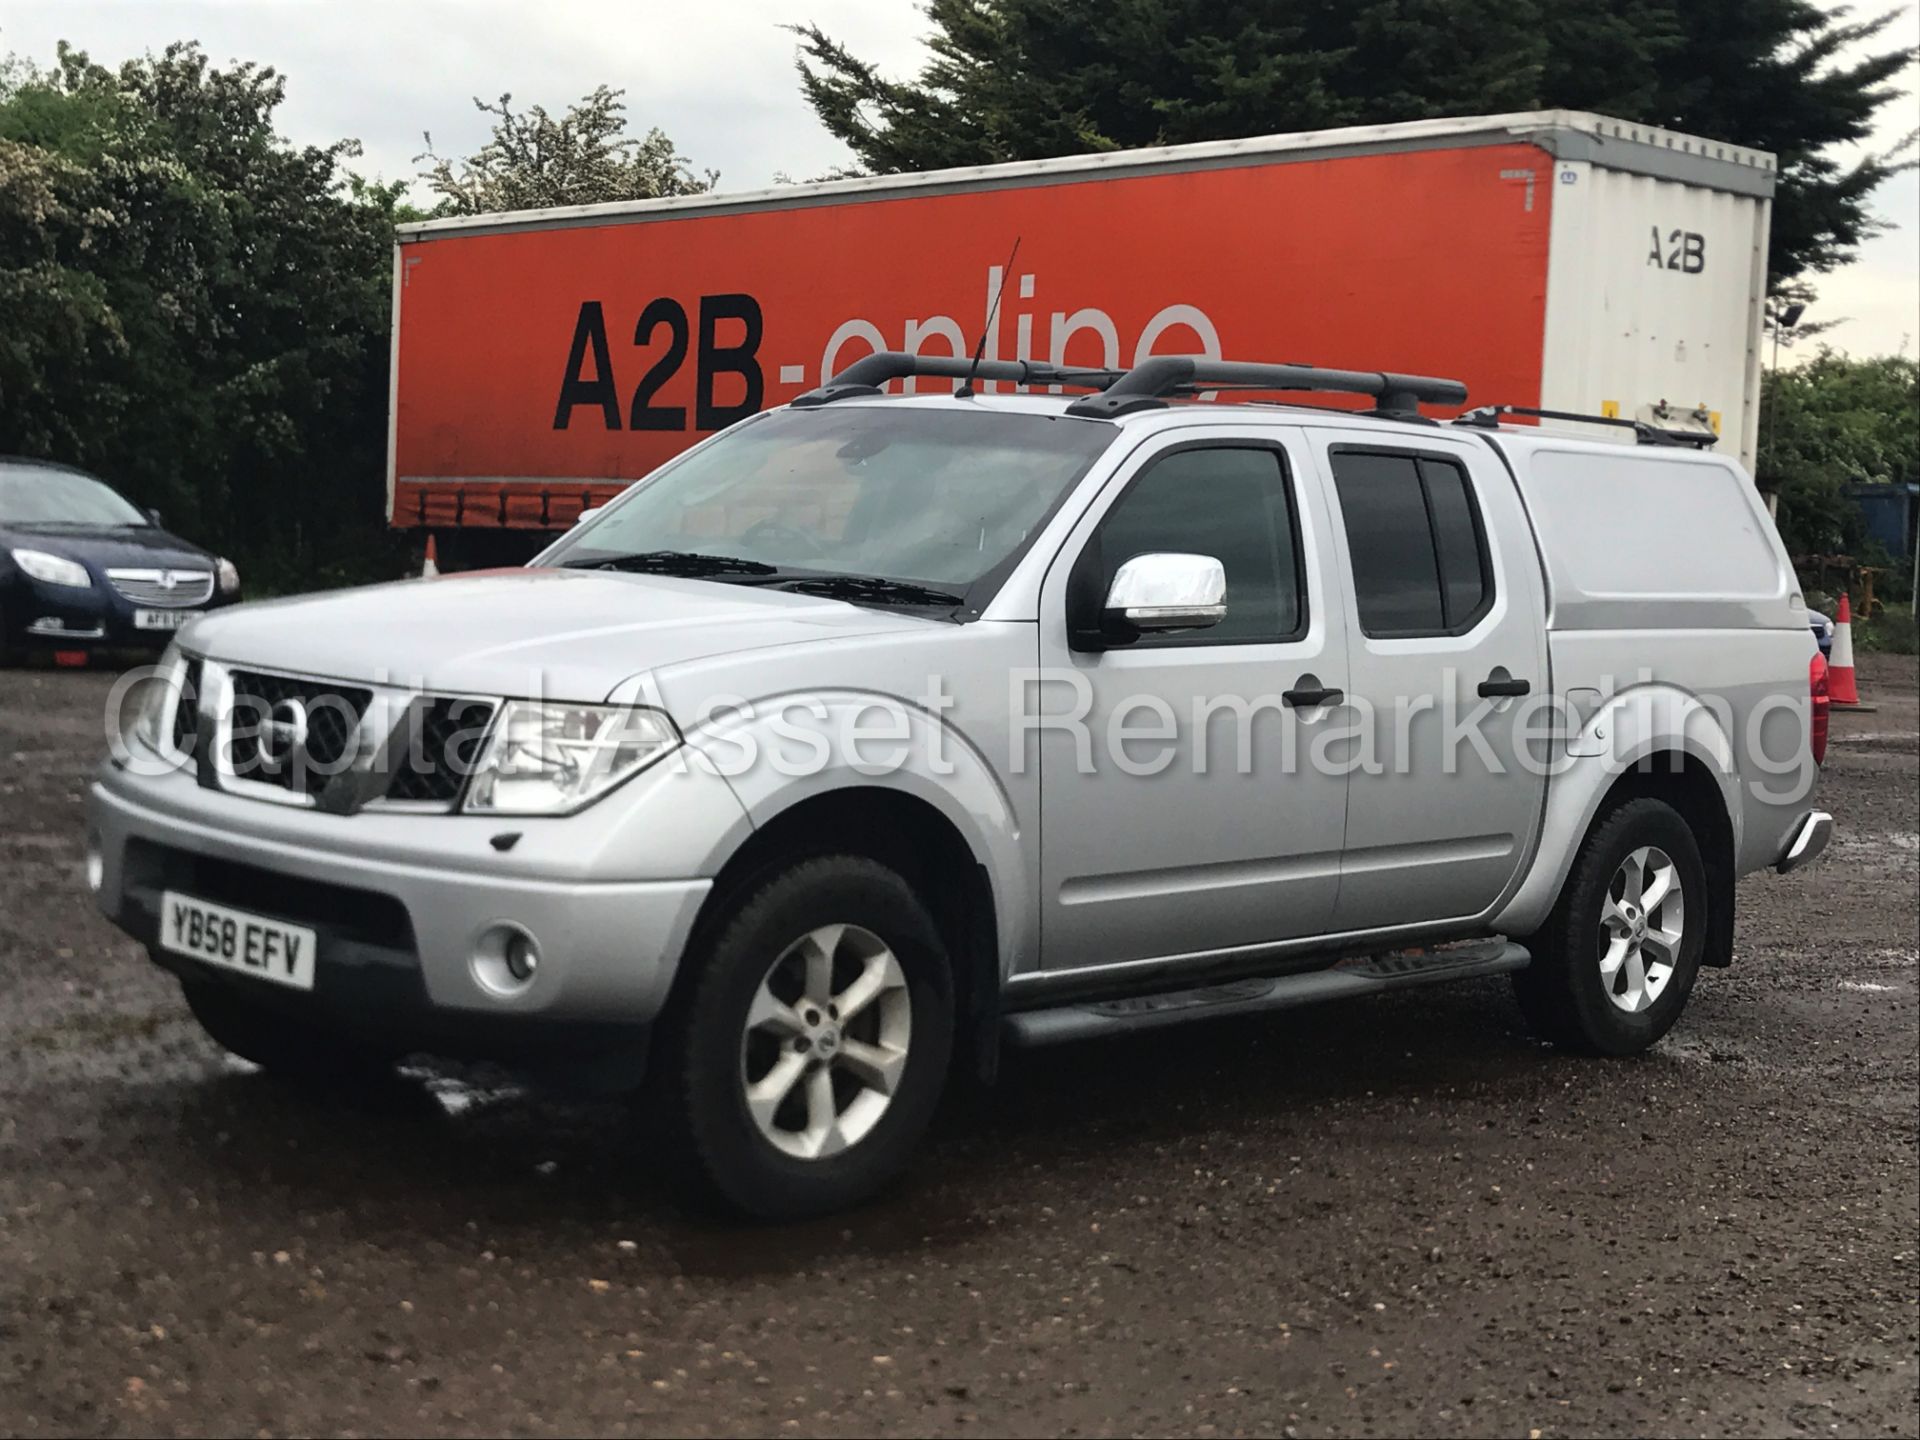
(1506, 686)
(1310, 696)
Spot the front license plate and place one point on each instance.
(162, 619)
(252, 944)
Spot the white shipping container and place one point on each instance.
(1657, 278)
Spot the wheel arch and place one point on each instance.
(908, 834)
(1665, 747)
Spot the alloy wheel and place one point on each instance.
(825, 1042)
(1642, 921)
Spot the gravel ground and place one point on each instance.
(1386, 1217)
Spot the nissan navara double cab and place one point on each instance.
(877, 731)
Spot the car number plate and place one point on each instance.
(162, 619)
(251, 944)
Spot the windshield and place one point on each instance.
(39, 495)
(939, 497)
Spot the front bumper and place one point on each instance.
(398, 920)
(63, 617)
(1809, 839)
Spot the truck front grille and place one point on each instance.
(297, 735)
(298, 739)
(435, 752)
(164, 589)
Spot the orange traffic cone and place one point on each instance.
(432, 567)
(1840, 682)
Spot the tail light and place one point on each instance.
(1822, 706)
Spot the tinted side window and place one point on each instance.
(1394, 572)
(1456, 540)
(1419, 564)
(1231, 504)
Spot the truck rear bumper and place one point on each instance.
(1809, 838)
(403, 945)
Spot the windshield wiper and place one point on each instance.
(871, 588)
(688, 564)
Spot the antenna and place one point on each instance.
(965, 390)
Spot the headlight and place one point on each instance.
(546, 759)
(150, 715)
(53, 569)
(229, 575)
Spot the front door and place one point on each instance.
(1448, 657)
(1181, 811)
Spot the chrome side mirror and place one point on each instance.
(588, 514)
(1159, 592)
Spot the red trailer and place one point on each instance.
(544, 360)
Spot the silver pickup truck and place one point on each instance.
(880, 730)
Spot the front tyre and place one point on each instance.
(811, 1049)
(1617, 958)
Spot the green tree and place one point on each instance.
(1829, 424)
(585, 157)
(1024, 79)
(194, 308)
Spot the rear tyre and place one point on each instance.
(1617, 958)
(803, 1064)
(283, 1047)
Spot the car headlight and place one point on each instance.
(150, 713)
(549, 759)
(229, 574)
(53, 569)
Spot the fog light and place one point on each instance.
(96, 865)
(505, 959)
(523, 956)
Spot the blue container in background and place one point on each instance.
(1888, 512)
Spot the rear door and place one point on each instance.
(1447, 659)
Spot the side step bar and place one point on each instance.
(1364, 975)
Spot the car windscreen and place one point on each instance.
(40, 495)
(905, 492)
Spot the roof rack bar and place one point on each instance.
(867, 375)
(1146, 385)
(1487, 417)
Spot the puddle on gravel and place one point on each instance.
(1882, 850)
(459, 1094)
(1903, 739)
(1883, 962)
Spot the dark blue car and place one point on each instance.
(83, 568)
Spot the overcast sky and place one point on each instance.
(717, 76)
